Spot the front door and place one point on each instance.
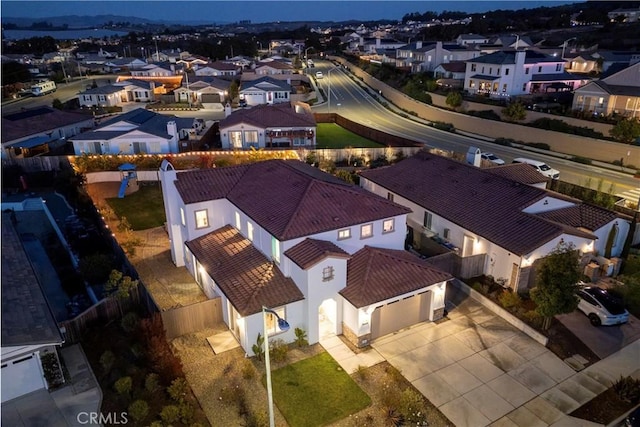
(233, 320)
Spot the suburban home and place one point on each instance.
(451, 74)
(273, 67)
(281, 125)
(471, 39)
(427, 56)
(155, 69)
(491, 219)
(217, 69)
(118, 93)
(192, 62)
(29, 328)
(325, 255)
(512, 73)
(139, 131)
(124, 64)
(265, 90)
(617, 94)
(203, 90)
(40, 130)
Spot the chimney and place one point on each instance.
(419, 44)
(377, 41)
(172, 129)
(289, 81)
(520, 57)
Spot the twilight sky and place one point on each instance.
(257, 11)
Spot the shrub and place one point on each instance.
(123, 386)
(51, 369)
(628, 389)
(533, 318)
(160, 356)
(186, 412)
(509, 299)
(178, 389)
(444, 126)
(257, 419)
(129, 322)
(152, 383)
(170, 414)
(540, 145)
(486, 114)
(515, 111)
(586, 161)
(278, 350)
(507, 142)
(412, 408)
(138, 410)
(107, 359)
(258, 347)
(394, 374)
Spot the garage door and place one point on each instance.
(21, 376)
(400, 314)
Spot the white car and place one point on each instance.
(319, 75)
(492, 158)
(541, 167)
(601, 307)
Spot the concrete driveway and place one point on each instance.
(602, 340)
(480, 371)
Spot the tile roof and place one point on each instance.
(520, 172)
(284, 115)
(265, 83)
(38, 120)
(475, 199)
(26, 316)
(509, 57)
(377, 274)
(288, 198)
(247, 278)
(584, 216)
(309, 252)
(275, 64)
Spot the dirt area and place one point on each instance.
(563, 343)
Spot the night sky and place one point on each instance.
(256, 11)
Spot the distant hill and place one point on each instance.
(85, 21)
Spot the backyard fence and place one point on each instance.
(462, 267)
(192, 318)
(38, 164)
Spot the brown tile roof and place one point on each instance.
(282, 115)
(247, 278)
(309, 252)
(38, 120)
(475, 199)
(376, 274)
(279, 65)
(584, 216)
(26, 316)
(288, 198)
(520, 172)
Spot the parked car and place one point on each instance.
(319, 75)
(242, 103)
(541, 167)
(633, 420)
(492, 158)
(601, 307)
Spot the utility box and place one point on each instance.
(473, 156)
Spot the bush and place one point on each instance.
(258, 347)
(509, 299)
(628, 389)
(51, 369)
(585, 161)
(257, 419)
(278, 350)
(178, 390)
(123, 386)
(138, 410)
(362, 372)
(443, 126)
(540, 145)
(486, 114)
(185, 412)
(129, 322)
(412, 408)
(301, 337)
(562, 126)
(507, 142)
(107, 359)
(152, 383)
(170, 414)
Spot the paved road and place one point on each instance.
(346, 97)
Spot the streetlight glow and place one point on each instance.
(283, 325)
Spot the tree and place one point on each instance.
(556, 283)
(119, 284)
(454, 99)
(14, 72)
(234, 90)
(626, 130)
(515, 111)
(57, 104)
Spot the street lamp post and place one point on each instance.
(564, 46)
(283, 326)
(517, 40)
(329, 88)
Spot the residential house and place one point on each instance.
(242, 62)
(194, 61)
(512, 73)
(471, 39)
(29, 328)
(485, 216)
(124, 64)
(371, 45)
(155, 69)
(325, 255)
(40, 130)
(427, 56)
(265, 90)
(139, 131)
(118, 93)
(617, 94)
(203, 90)
(269, 126)
(625, 15)
(273, 67)
(451, 74)
(217, 69)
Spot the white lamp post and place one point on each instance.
(564, 46)
(284, 327)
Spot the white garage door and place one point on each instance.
(400, 314)
(21, 376)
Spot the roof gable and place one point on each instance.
(309, 252)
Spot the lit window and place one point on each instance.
(504, 87)
(272, 320)
(387, 225)
(237, 220)
(182, 219)
(601, 100)
(472, 84)
(366, 231)
(344, 234)
(275, 249)
(327, 274)
(250, 231)
(235, 138)
(202, 219)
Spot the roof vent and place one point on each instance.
(335, 218)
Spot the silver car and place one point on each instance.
(601, 307)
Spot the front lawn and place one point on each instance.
(143, 209)
(330, 135)
(316, 391)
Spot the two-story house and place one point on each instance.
(280, 125)
(512, 73)
(325, 255)
(493, 214)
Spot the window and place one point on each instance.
(482, 70)
(540, 69)
(473, 67)
(490, 70)
(387, 225)
(251, 137)
(237, 220)
(558, 67)
(472, 84)
(495, 86)
(366, 231)
(182, 219)
(344, 234)
(446, 233)
(426, 222)
(275, 249)
(390, 196)
(504, 87)
(272, 321)
(202, 219)
(600, 101)
(250, 231)
(526, 71)
(235, 139)
(524, 87)
(506, 71)
(327, 274)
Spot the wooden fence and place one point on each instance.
(38, 164)
(462, 267)
(192, 318)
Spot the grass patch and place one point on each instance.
(330, 135)
(143, 209)
(316, 391)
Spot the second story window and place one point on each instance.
(387, 225)
(390, 196)
(327, 274)
(366, 231)
(473, 67)
(202, 219)
(506, 71)
(344, 234)
(427, 220)
(275, 250)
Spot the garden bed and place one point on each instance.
(604, 408)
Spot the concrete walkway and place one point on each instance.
(480, 371)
